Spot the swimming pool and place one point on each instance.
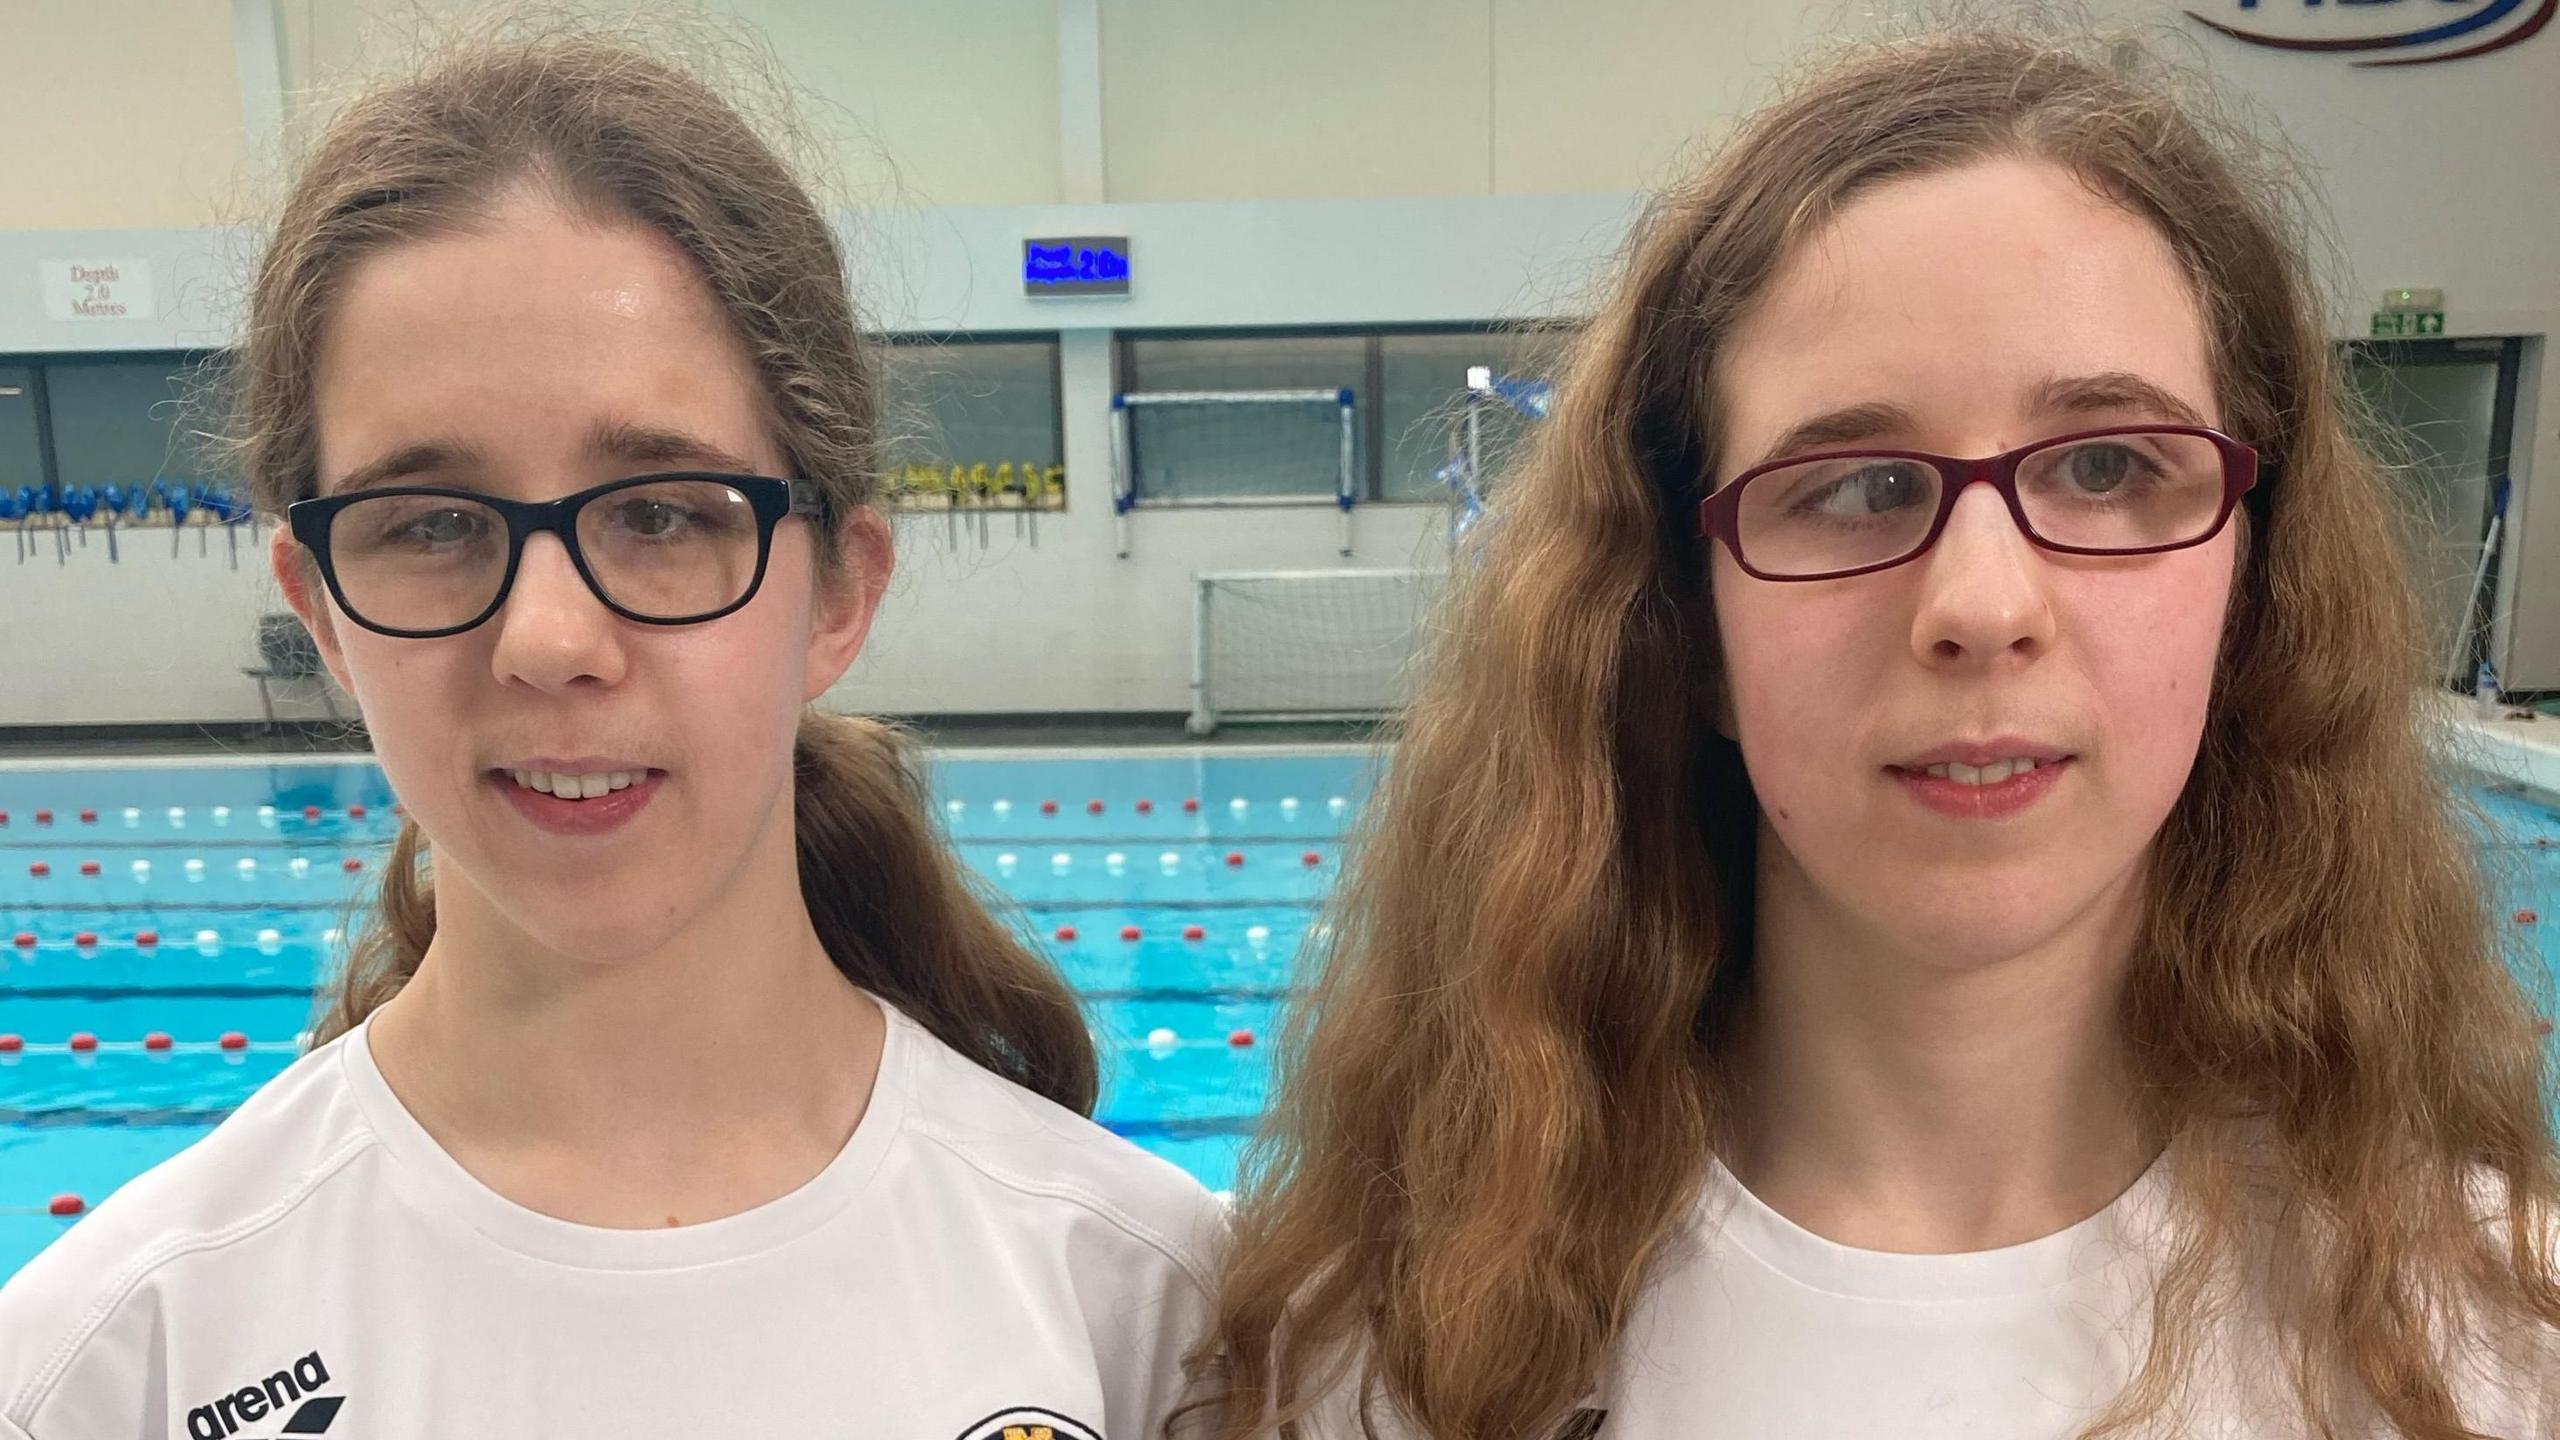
(199, 901)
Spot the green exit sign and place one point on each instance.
(2399, 323)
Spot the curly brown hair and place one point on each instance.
(1498, 1102)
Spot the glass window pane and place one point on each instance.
(2436, 411)
(1192, 452)
(973, 419)
(124, 420)
(1424, 403)
(21, 458)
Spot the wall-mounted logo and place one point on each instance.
(2386, 32)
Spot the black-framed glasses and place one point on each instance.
(2128, 490)
(423, 561)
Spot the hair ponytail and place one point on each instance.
(902, 919)
(896, 911)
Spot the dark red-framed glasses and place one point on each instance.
(2124, 490)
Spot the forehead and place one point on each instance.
(520, 333)
(1958, 295)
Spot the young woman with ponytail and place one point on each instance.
(682, 1084)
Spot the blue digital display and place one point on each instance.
(1076, 265)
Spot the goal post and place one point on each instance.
(1235, 447)
(1280, 645)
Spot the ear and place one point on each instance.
(849, 600)
(299, 577)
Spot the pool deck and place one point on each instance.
(2524, 751)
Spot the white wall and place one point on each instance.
(116, 113)
(1314, 162)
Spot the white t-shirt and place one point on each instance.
(976, 1262)
(1755, 1327)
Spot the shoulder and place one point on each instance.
(249, 1175)
(1053, 1170)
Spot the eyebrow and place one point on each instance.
(609, 440)
(661, 445)
(2110, 390)
(423, 458)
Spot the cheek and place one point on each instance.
(2149, 652)
(1800, 666)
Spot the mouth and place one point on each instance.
(577, 785)
(1989, 761)
(1982, 782)
(1991, 772)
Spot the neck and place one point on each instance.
(714, 1072)
(1923, 1103)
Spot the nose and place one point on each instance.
(1982, 589)
(553, 633)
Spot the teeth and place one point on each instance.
(1991, 774)
(578, 787)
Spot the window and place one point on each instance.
(973, 421)
(1422, 403)
(1410, 387)
(128, 421)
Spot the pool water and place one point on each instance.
(239, 873)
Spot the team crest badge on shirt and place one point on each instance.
(1030, 1422)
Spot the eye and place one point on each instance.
(2100, 468)
(435, 526)
(1875, 487)
(653, 519)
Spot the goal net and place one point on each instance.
(1229, 447)
(1304, 644)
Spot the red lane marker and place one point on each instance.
(353, 865)
(26, 939)
(2527, 917)
(44, 817)
(83, 1043)
(1194, 932)
(12, 1044)
(1312, 859)
(1242, 1039)
(88, 867)
(86, 939)
(1048, 807)
(67, 1205)
(1191, 806)
(39, 869)
(310, 812)
(1130, 932)
(88, 817)
(234, 1040)
(1066, 932)
(147, 938)
(1146, 807)
(355, 812)
(1093, 807)
(1235, 859)
(157, 1040)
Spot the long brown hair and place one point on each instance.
(607, 125)
(1499, 1099)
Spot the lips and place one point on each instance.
(1986, 752)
